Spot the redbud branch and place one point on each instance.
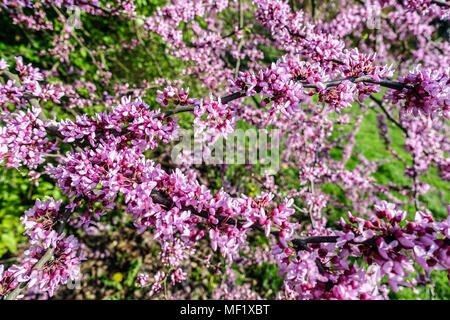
(333, 83)
(233, 96)
(160, 198)
(223, 100)
(178, 110)
(384, 83)
(8, 260)
(44, 259)
(17, 83)
(380, 104)
(320, 239)
(48, 255)
(34, 102)
(300, 243)
(440, 3)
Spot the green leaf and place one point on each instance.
(135, 266)
(9, 241)
(315, 98)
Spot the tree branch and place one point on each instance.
(380, 104)
(34, 102)
(333, 83)
(440, 3)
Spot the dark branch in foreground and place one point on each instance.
(329, 84)
(440, 3)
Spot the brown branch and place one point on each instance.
(178, 110)
(233, 96)
(240, 94)
(440, 3)
(384, 83)
(388, 115)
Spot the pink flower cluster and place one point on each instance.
(17, 93)
(278, 83)
(282, 82)
(277, 217)
(356, 64)
(39, 224)
(176, 96)
(385, 242)
(23, 139)
(429, 94)
(297, 36)
(166, 20)
(39, 20)
(213, 119)
(340, 97)
(428, 5)
(128, 121)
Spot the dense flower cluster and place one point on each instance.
(429, 93)
(177, 97)
(213, 119)
(115, 159)
(39, 224)
(24, 141)
(278, 84)
(23, 137)
(356, 64)
(339, 97)
(27, 85)
(129, 121)
(427, 5)
(39, 20)
(384, 242)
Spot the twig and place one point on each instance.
(380, 104)
(312, 203)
